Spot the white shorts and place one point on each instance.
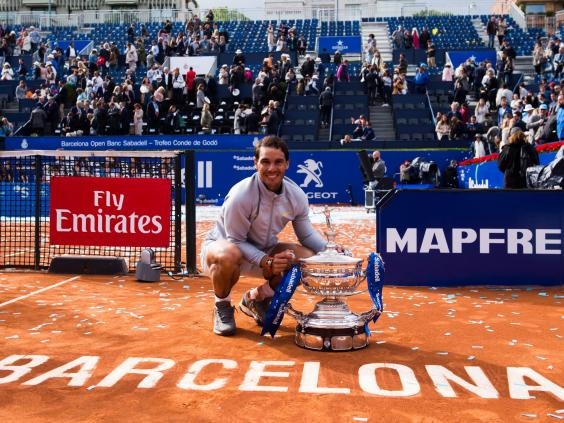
(247, 268)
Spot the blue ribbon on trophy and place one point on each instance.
(277, 307)
(375, 282)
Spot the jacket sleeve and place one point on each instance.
(503, 159)
(238, 220)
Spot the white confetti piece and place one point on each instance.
(90, 387)
(360, 419)
(380, 342)
(540, 357)
(12, 337)
(478, 346)
(555, 416)
(415, 348)
(442, 353)
(447, 333)
(471, 357)
(529, 415)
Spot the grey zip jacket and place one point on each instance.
(252, 217)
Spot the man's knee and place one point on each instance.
(224, 253)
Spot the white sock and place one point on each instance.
(226, 299)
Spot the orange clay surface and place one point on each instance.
(111, 349)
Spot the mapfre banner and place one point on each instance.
(133, 212)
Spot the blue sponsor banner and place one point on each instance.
(487, 174)
(462, 237)
(325, 176)
(478, 56)
(17, 199)
(345, 45)
(126, 142)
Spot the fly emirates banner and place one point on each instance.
(119, 212)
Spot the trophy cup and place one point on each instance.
(331, 326)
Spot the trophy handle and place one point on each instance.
(298, 315)
(367, 316)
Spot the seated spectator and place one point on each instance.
(473, 127)
(457, 129)
(368, 132)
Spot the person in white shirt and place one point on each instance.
(479, 147)
(448, 73)
(504, 91)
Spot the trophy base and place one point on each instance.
(330, 339)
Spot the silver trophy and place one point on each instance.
(334, 276)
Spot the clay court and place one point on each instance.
(109, 348)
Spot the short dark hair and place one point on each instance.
(272, 141)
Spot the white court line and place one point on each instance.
(39, 291)
(29, 250)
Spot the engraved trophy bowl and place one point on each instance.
(331, 326)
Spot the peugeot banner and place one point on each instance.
(476, 237)
(325, 176)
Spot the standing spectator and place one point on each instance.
(370, 47)
(178, 85)
(137, 119)
(38, 120)
(510, 160)
(539, 59)
(424, 38)
(21, 90)
(421, 79)
(206, 119)
(478, 147)
(131, 33)
(481, 111)
(558, 63)
(415, 38)
(442, 128)
(560, 117)
(402, 66)
(378, 166)
(501, 30)
(431, 54)
(448, 73)
(325, 105)
(491, 30)
(34, 38)
(302, 45)
(270, 38)
(131, 57)
(397, 37)
(342, 72)
(387, 87)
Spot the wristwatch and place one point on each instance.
(268, 262)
